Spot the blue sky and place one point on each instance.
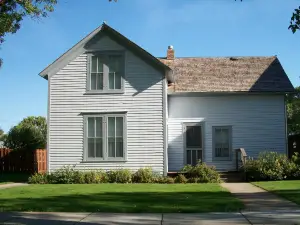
(193, 27)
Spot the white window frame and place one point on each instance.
(105, 73)
(215, 158)
(105, 157)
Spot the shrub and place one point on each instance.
(143, 175)
(169, 180)
(65, 175)
(95, 177)
(193, 180)
(38, 178)
(181, 179)
(119, 176)
(159, 179)
(272, 166)
(204, 173)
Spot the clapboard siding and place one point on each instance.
(258, 124)
(142, 101)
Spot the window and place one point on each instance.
(106, 72)
(193, 143)
(222, 143)
(105, 137)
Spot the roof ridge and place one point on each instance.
(221, 57)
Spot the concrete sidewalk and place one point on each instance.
(257, 199)
(274, 218)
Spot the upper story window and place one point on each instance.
(106, 73)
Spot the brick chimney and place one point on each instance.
(170, 53)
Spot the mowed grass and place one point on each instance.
(150, 198)
(286, 189)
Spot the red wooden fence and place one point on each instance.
(23, 161)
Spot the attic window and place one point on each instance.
(105, 73)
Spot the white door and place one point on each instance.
(193, 143)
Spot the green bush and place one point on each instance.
(181, 179)
(65, 175)
(38, 178)
(143, 175)
(95, 177)
(203, 172)
(169, 180)
(272, 166)
(193, 180)
(119, 176)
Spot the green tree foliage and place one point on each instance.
(293, 112)
(1, 132)
(29, 134)
(12, 12)
(295, 20)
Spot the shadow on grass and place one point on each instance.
(292, 195)
(129, 202)
(14, 177)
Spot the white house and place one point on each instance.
(111, 104)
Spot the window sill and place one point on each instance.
(103, 92)
(216, 159)
(104, 161)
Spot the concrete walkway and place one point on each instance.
(271, 218)
(257, 199)
(10, 185)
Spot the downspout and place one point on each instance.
(285, 126)
(48, 125)
(165, 126)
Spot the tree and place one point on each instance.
(295, 20)
(29, 134)
(1, 132)
(12, 12)
(293, 112)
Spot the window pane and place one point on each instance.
(119, 147)
(194, 158)
(115, 63)
(111, 147)
(188, 157)
(118, 80)
(111, 126)
(222, 142)
(100, 64)
(91, 127)
(119, 126)
(111, 80)
(93, 81)
(99, 148)
(100, 81)
(111, 137)
(193, 136)
(91, 147)
(199, 155)
(94, 64)
(98, 126)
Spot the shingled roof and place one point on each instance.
(229, 74)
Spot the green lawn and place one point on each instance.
(161, 198)
(13, 178)
(287, 189)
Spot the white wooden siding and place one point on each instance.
(142, 100)
(258, 124)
